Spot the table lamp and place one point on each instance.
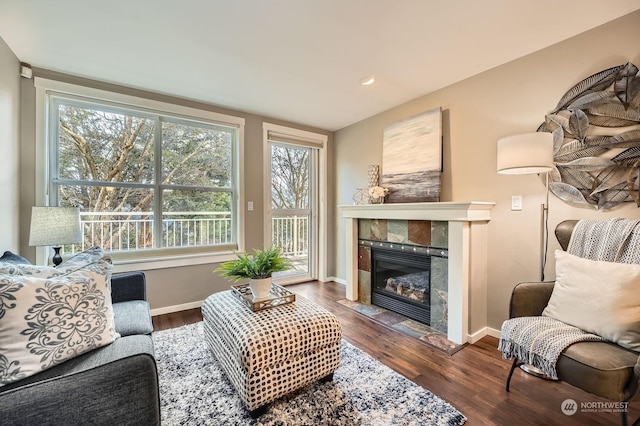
(55, 226)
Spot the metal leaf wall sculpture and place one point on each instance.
(596, 134)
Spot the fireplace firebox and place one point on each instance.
(401, 282)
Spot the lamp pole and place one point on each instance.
(544, 228)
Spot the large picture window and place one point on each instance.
(144, 180)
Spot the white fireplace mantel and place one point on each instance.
(467, 263)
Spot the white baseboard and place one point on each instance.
(176, 308)
(485, 331)
(493, 332)
(473, 338)
(337, 280)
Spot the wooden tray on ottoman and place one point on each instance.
(277, 296)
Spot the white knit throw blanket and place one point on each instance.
(613, 240)
(539, 341)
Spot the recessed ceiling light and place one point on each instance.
(367, 81)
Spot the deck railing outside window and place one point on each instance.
(291, 234)
(134, 231)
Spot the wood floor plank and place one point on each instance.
(472, 379)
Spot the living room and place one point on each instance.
(509, 97)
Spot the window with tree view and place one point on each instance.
(143, 181)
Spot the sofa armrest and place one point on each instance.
(530, 298)
(116, 384)
(128, 286)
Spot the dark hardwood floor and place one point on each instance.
(472, 379)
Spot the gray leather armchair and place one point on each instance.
(600, 368)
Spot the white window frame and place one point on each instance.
(316, 140)
(139, 259)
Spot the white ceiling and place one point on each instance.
(296, 60)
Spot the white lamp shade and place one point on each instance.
(55, 226)
(527, 153)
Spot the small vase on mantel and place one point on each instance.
(260, 287)
(377, 194)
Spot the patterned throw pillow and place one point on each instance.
(46, 321)
(79, 261)
(28, 270)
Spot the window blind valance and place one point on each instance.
(283, 135)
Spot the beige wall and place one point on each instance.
(509, 99)
(169, 286)
(9, 146)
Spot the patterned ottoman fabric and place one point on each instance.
(269, 353)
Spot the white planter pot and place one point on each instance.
(260, 287)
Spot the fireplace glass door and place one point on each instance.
(401, 282)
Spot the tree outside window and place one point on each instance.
(143, 181)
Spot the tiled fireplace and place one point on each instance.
(450, 278)
(402, 266)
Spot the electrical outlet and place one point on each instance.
(250, 206)
(516, 202)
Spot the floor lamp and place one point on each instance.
(530, 153)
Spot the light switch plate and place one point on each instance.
(516, 202)
(250, 205)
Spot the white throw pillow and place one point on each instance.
(598, 297)
(46, 321)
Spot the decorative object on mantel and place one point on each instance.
(412, 158)
(361, 196)
(596, 129)
(374, 194)
(377, 194)
(257, 267)
(530, 153)
(374, 175)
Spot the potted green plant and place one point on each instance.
(257, 267)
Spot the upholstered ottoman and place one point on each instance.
(269, 353)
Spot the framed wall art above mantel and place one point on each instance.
(412, 158)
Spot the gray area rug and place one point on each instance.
(195, 391)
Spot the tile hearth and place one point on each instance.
(408, 327)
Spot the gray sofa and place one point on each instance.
(113, 385)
